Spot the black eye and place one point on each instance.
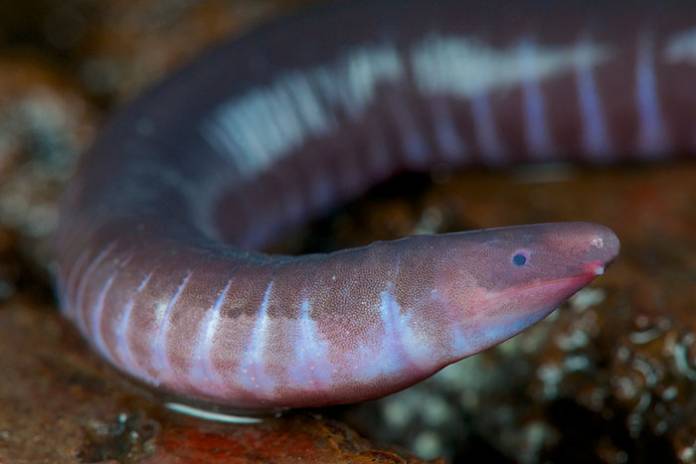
(519, 259)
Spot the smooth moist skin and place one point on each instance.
(156, 260)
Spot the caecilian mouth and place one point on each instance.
(575, 282)
(558, 288)
(592, 270)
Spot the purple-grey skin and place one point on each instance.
(155, 245)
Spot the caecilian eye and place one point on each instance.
(519, 259)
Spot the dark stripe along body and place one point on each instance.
(262, 132)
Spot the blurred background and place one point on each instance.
(608, 378)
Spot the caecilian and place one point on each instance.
(158, 244)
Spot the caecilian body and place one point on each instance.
(157, 245)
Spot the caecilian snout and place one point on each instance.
(590, 246)
(602, 247)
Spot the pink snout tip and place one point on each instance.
(595, 268)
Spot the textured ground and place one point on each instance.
(608, 378)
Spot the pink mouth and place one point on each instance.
(565, 284)
(549, 293)
(558, 290)
(591, 270)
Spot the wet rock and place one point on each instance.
(45, 122)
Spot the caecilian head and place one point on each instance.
(498, 282)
